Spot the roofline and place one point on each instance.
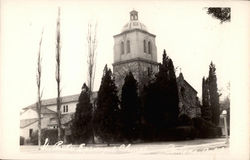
(190, 86)
(136, 59)
(132, 30)
(29, 124)
(34, 104)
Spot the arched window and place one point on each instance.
(149, 48)
(128, 46)
(144, 46)
(122, 47)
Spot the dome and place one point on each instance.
(134, 23)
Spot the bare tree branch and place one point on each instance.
(91, 58)
(39, 94)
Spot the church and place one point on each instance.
(134, 51)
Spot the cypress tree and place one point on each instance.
(81, 127)
(161, 98)
(206, 108)
(214, 96)
(130, 108)
(106, 113)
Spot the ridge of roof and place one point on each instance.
(52, 101)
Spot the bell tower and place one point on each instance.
(134, 51)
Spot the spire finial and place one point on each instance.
(133, 15)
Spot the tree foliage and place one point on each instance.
(223, 14)
(214, 96)
(107, 111)
(206, 107)
(161, 98)
(130, 116)
(82, 125)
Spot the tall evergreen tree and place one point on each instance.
(130, 108)
(82, 126)
(106, 113)
(214, 96)
(161, 98)
(206, 108)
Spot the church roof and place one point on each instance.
(181, 78)
(134, 23)
(52, 101)
(26, 122)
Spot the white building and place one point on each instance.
(29, 117)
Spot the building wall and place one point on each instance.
(140, 70)
(71, 107)
(24, 132)
(29, 114)
(188, 102)
(136, 38)
(137, 61)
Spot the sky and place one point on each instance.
(191, 38)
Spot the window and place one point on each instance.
(149, 48)
(144, 46)
(128, 46)
(149, 71)
(30, 132)
(122, 47)
(65, 108)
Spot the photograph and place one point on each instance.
(110, 79)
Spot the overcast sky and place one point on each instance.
(191, 38)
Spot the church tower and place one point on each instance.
(135, 51)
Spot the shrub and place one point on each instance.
(51, 134)
(21, 142)
(205, 129)
(184, 120)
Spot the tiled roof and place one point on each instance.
(66, 118)
(52, 101)
(180, 77)
(26, 122)
(45, 110)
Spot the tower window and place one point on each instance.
(144, 46)
(149, 48)
(122, 47)
(128, 46)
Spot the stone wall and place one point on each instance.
(188, 100)
(142, 71)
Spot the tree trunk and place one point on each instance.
(58, 76)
